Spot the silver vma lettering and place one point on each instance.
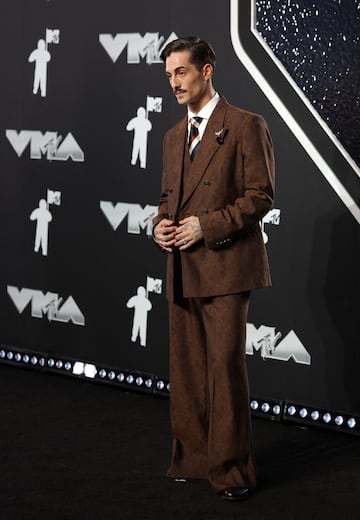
(138, 217)
(49, 143)
(265, 340)
(148, 46)
(50, 305)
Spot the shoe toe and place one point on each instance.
(234, 493)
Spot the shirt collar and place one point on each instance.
(206, 110)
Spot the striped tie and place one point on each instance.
(194, 137)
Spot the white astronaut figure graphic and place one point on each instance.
(41, 56)
(42, 216)
(141, 126)
(141, 305)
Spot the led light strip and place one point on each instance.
(280, 411)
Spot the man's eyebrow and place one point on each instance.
(177, 69)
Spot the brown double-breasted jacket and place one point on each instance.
(230, 188)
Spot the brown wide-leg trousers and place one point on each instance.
(209, 397)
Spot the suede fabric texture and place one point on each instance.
(209, 402)
(230, 186)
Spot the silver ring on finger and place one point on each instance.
(185, 241)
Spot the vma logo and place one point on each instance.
(49, 143)
(139, 47)
(138, 217)
(50, 305)
(265, 340)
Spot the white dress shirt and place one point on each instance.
(204, 113)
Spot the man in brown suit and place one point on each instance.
(208, 223)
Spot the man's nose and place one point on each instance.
(174, 82)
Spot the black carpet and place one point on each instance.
(79, 450)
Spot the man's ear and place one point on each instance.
(207, 70)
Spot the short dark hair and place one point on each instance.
(201, 51)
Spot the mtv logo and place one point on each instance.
(53, 36)
(154, 285)
(153, 104)
(265, 340)
(271, 217)
(54, 197)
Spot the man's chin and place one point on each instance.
(181, 99)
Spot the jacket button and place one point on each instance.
(207, 183)
(204, 211)
(170, 190)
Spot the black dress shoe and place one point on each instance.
(234, 493)
(177, 479)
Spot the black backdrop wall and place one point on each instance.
(84, 105)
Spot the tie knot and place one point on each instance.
(196, 121)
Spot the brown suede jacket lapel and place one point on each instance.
(207, 148)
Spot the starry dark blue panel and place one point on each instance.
(318, 44)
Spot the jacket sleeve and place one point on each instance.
(254, 154)
(163, 211)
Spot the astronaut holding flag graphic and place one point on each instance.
(141, 126)
(142, 305)
(41, 56)
(43, 217)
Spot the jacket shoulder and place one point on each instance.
(236, 112)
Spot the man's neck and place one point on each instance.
(195, 109)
